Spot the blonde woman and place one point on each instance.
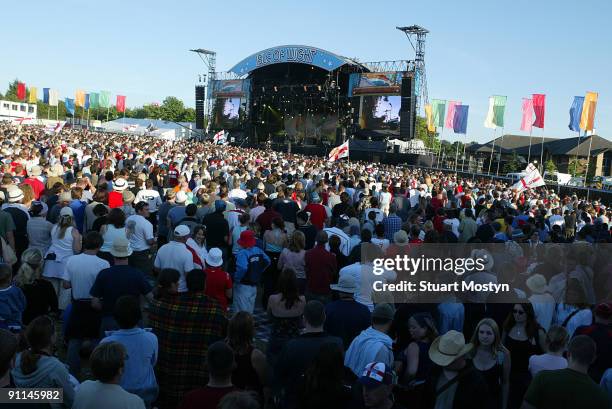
(40, 294)
(65, 242)
(492, 360)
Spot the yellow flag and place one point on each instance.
(79, 99)
(430, 122)
(587, 120)
(32, 99)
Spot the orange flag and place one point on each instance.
(79, 99)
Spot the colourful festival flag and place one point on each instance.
(120, 103)
(46, 95)
(104, 99)
(21, 91)
(86, 101)
(576, 113)
(461, 118)
(489, 121)
(69, 102)
(79, 99)
(587, 119)
(53, 97)
(33, 98)
(527, 122)
(499, 107)
(450, 115)
(539, 104)
(430, 122)
(438, 109)
(94, 100)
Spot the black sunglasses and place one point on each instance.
(519, 312)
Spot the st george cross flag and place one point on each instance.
(69, 102)
(33, 97)
(87, 101)
(489, 121)
(499, 107)
(53, 97)
(54, 128)
(120, 103)
(450, 115)
(339, 152)
(21, 91)
(46, 95)
(532, 179)
(539, 104)
(527, 122)
(79, 99)
(431, 127)
(94, 100)
(104, 99)
(587, 120)
(576, 113)
(438, 108)
(220, 138)
(461, 118)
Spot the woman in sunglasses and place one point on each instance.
(523, 337)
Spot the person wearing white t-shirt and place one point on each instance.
(80, 274)
(556, 343)
(139, 232)
(152, 198)
(176, 255)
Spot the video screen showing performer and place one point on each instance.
(380, 112)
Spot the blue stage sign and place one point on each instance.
(299, 54)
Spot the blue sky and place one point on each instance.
(475, 48)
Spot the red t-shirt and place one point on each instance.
(317, 215)
(205, 398)
(217, 281)
(37, 186)
(115, 199)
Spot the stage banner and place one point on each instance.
(527, 121)
(576, 113)
(375, 83)
(539, 104)
(290, 54)
(230, 88)
(587, 120)
(32, 98)
(104, 99)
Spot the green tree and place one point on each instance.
(550, 166)
(172, 109)
(575, 168)
(513, 164)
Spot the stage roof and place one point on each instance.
(299, 54)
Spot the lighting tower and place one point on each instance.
(209, 58)
(416, 35)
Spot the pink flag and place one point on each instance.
(527, 121)
(539, 103)
(450, 116)
(120, 103)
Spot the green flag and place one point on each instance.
(94, 100)
(499, 106)
(438, 108)
(104, 99)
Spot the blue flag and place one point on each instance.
(460, 119)
(576, 113)
(69, 106)
(86, 101)
(46, 95)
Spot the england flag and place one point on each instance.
(532, 179)
(220, 138)
(55, 128)
(339, 152)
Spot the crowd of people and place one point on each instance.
(141, 273)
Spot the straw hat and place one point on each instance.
(15, 195)
(128, 197)
(35, 171)
(448, 347)
(120, 185)
(537, 284)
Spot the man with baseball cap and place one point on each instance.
(376, 384)
(176, 255)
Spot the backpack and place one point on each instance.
(255, 268)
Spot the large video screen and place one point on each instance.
(312, 129)
(227, 113)
(380, 112)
